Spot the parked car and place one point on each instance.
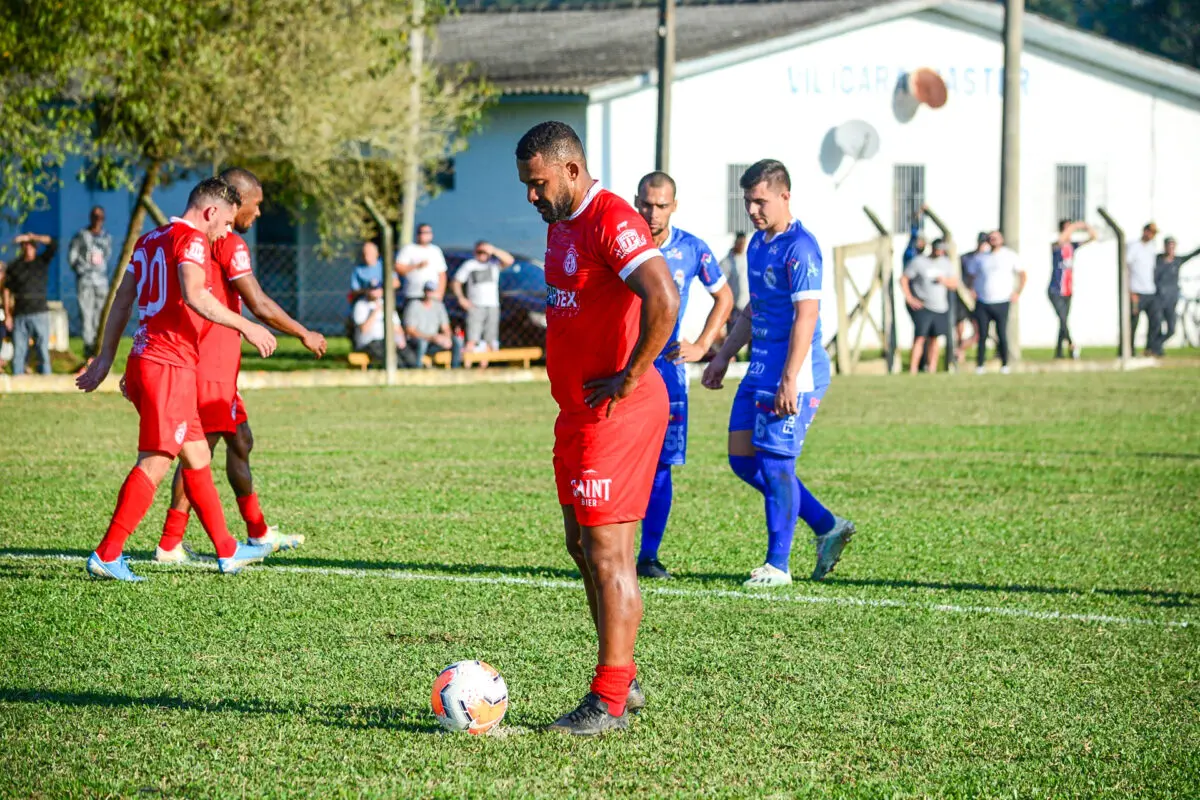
(522, 300)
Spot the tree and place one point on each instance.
(1167, 28)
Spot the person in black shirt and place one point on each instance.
(26, 283)
(1166, 281)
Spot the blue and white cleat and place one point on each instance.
(278, 541)
(245, 555)
(116, 570)
(830, 547)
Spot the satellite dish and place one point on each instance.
(927, 87)
(857, 139)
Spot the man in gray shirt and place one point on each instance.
(88, 255)
(926, 283)
(733, 266)
(427, 326)
(1166, 285)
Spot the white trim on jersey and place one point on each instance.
(587, 199)
(808, 294)
(184, 221)
(637, 261)
(718, 286)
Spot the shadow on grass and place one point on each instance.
(1157, 597)
(343, 715)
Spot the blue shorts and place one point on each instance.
(674, 449)
(754, 410)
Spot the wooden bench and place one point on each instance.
(506, 355)
(362, 360)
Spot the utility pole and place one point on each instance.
(1010, 149)
(408, 214)
(666, 77)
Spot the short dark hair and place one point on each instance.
(739, 235)
(939, 244)
(1062, 224)
(767, 171)
(422, 225)
(213, 190)
(241, 179)
(552, 140)
(481, 243)
(656, 180)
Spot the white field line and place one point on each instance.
(763, 597)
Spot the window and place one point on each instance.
(909, 195)
(1070, 192)
(736, 218)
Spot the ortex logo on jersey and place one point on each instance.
(591, 491)
(628, 241)
(560, 299)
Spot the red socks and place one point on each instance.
(202, 494)
(173, 529)
(133, 501)
(256, 525)
(612, 684)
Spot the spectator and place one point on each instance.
(992, 284)
(368, 326)
(26, 282)
(421, 263)
(733, 266)
(88, 255)
(916, 239)
(1140, 260)
(962, 314)
(926, 282)
(1062, 279)
(481, 275)
(428, 327)
(1166, 284)
(367, 272)
(5, 320)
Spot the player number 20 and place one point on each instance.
(152, 282)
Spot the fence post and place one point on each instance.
(884, 266)
(844, 365)
(389, 292)
(1124, 328)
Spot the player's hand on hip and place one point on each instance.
(95, 374)
(314, 343)
(714, 373)
(787, 399)
(607, 391)
(672, 352)
(690, 352)
(124, 389)
(262, 339)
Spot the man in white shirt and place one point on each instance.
(927, 282)
(368, 326)
(1140, 259)
(481, 276)
(421, 263)
(992, 282)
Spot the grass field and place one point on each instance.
(1009, 621)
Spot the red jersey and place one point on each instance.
(221, 347)
(592, 317)
(168, 331)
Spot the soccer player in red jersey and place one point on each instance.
(222, 412)
(167, 279)
(611, 306)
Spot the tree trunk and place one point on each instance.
(132, 234)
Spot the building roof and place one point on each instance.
(570, 51)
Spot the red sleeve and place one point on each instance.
(624, 240)
(192, 248)
(233, 257)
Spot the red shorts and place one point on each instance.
(165, 399)
(221, 406)
(605, 467)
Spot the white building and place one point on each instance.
(1102, 125)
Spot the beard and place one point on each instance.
(555, 209)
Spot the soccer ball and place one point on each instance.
(469, 696)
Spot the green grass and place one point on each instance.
(1074, 494)
(290, 356)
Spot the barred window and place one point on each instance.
(736, 218)
(909, 182)
(1070, 192)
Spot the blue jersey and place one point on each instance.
(783, 271)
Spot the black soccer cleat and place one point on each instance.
(591, 718)
(636, 700)
(651, 568)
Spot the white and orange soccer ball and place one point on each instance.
(469, 696)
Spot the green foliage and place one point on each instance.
(1168, 28)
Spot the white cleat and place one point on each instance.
(830, 547)
(768, 575)
(179, 554)
(1005, 370)
(277, 540)
(981, 370)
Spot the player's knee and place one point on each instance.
(574, 545)
(745, 467)
(240, 443)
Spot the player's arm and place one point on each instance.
(739, 337)
(267, 310)
(118, 318)
(1184, 259)
(192, 279)
(651, 281)
(1022, 277)
(804, 323)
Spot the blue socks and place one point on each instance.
(657, 511)
(782, 501)
(786, 499)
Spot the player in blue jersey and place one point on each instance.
(786, 379)
(687, 258)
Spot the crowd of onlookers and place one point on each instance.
(992, 275)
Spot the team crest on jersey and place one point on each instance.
(674, 253)
(769, 277)
(679, 279)
(571, 262)
(628, 241)
(196, 252)
(241, 260)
